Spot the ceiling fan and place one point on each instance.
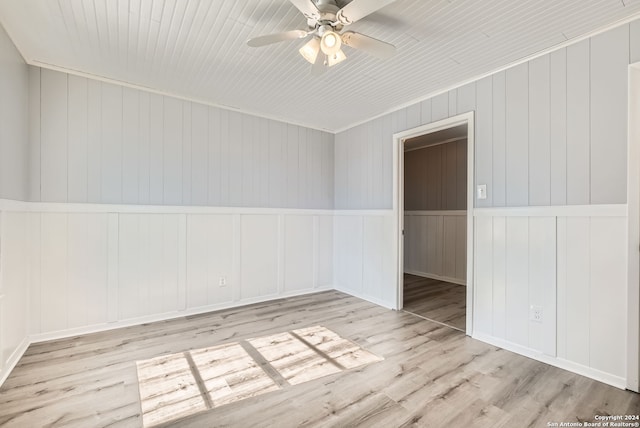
(326, 20)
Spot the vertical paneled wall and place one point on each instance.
(551, 131)
(102, 143)
(574, 269)
(95, 270)
(435, 245)
(14, 125)
(435, 178)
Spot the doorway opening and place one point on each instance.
(435, 236)
(434, 211)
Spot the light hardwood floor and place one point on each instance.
(431, 375)
(437, 300)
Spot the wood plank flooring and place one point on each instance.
(431, 375)
(436, 300)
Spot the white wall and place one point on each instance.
(101, 143)
(435, 245)
(550, 134)
(95, 267)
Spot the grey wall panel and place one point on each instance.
(94, 142)
(517, 135)
(53, 132)
(77, 141)
(111, 144)
(120, 145)
(499, 164)
(172, 152)
(414, 115)
(453, 102)
(539, 134)
(609, 63)
(186, 154)
(220, 136)
(578, 154)
(199, 155)
(234, 165)
(143, 143)
(634, 40)
(34, 133)
(534, 130)
(14, 126)
(214, 149)
(466, 100)
(440, 107)
(130, 146)
(484, 139)
(425, 113)
(156, 149)
(558, 126)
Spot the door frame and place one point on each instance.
(633, 230)
(398, 200)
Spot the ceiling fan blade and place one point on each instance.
(368, 44)
(318, 67)
(308, 8)
(358, 9)
(277, 37)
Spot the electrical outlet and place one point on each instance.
(536, 313)
(223, 281)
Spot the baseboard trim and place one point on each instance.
(437, 277)
(608, 378)
(12, 361)
(366, 297)
(97, 328)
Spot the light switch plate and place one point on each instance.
(482, 191)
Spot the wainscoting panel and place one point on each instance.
(90, 268)
(569, 263)
(364, 256)
(14, 295)
(435, 244)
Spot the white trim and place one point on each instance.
(618, 382)
(12, 361)
(63, 207)
(515, 63)
(436, 277)
(368, 213)
(13, 205)
(448, 213)
(617, 210)
(633, 225)
(63, 334)
(398, 200)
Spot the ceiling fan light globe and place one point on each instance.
(330, 43)
(336, 58)
(310, 50)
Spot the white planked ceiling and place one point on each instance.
(196, 48)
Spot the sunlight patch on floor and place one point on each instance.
(178, 385)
